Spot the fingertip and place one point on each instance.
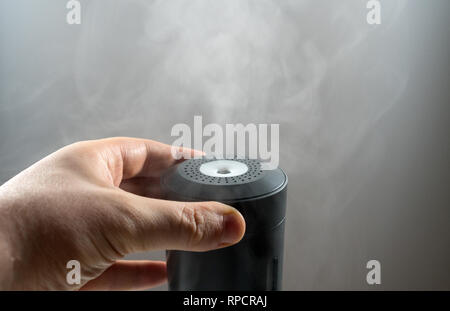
(181, 154)
(233, 228)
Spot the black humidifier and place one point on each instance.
(255, 263)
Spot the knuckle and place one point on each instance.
(81, 146)
(196, 222)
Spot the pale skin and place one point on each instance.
(96, 201)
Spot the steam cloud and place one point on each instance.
(241, 61)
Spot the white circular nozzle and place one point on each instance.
(223, 168)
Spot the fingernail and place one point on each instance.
(232, 228)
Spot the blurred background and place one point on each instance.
(364, 111)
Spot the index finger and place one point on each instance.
(136, 157)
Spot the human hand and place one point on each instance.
(89, 201)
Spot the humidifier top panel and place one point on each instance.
(219, 172)
(223, 180)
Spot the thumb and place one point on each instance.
(194, 226)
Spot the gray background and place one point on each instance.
(363, 111)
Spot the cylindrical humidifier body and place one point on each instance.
(255, 263)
